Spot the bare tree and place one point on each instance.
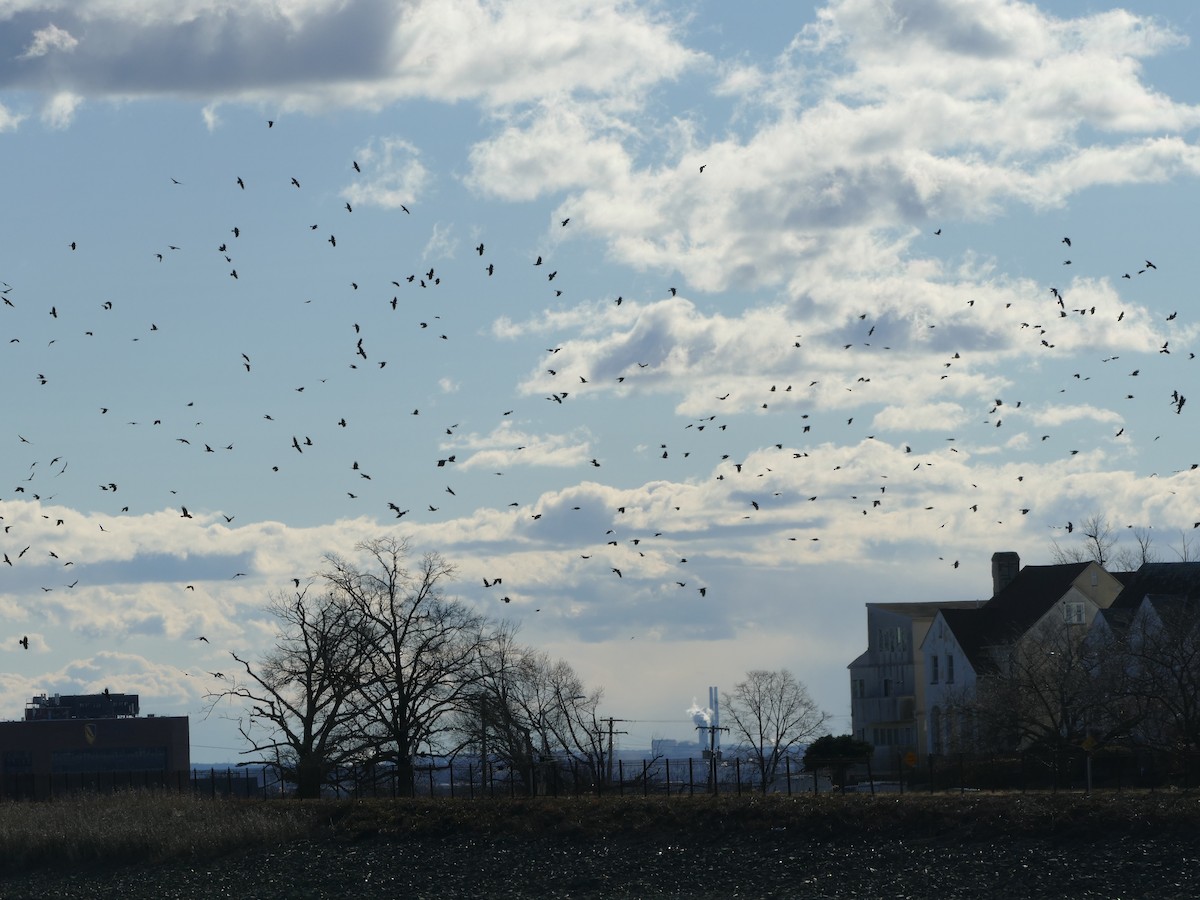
(422, 650)
(1185, 551)
(1163, 644)
(533, 715)
(1096, 543)
(299, 701)
(772, 712)
(1043, 692)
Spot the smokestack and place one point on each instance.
(1005, 566)
(714, 705)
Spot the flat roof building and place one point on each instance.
(91, 740)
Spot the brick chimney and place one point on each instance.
(1005, 566)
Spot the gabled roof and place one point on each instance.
(970, 628)
(1028, 596)
(1171, 579)
(1012, 612)
(1118, 619)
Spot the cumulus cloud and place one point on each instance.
(320, 54)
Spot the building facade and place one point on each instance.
(887, 681)
(59, 745)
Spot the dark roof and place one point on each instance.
(1171, 579)
(1011, 612)
(1035, 589)
(1118, 619)
(918, 609)
(970, 628)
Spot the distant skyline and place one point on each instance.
(833, 303)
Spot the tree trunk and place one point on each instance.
(404, 776)
(308, 779)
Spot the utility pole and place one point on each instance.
(609, 769)
(712, 752)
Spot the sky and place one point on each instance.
(695, 327)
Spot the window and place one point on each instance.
(887, 687)
(1073, 612)
(858, 688)
(933, 669)
(949, 669)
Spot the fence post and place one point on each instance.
(667, 764)
(737, 770)
(870, 776)
(787, 768)
(931, 773)
(691, 779)
(621, 777)
(645, 779)
(962, 783)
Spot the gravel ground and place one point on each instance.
(772, 864)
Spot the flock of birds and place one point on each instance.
(418, 296)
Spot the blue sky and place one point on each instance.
(797, 393)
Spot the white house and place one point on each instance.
(963, 645)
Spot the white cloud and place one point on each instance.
(507, 447)
(442, 243)
(1060, 415)
(8, 119)
(60, 109)
(49, 39)
(557, 146)
(392, 175)
(323, 54)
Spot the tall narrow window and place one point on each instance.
(949, 669)
(933, 669)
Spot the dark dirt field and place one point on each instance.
(857, 847)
